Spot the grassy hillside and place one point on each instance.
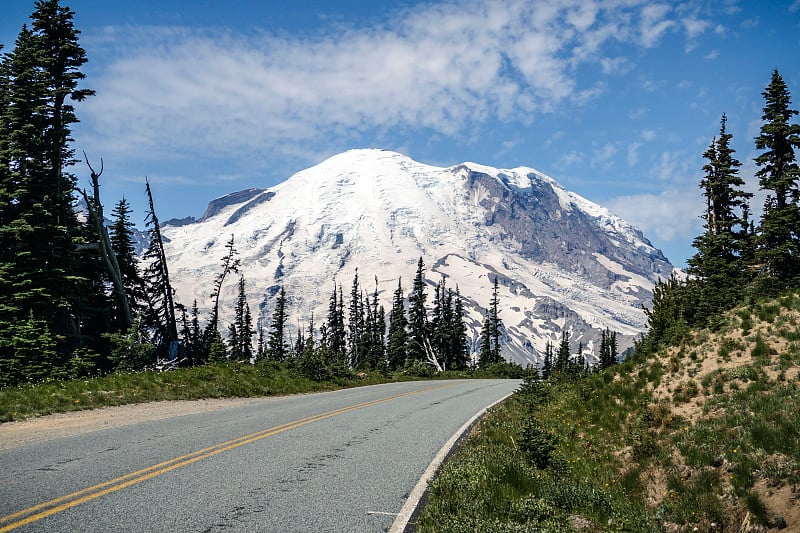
(704, 436)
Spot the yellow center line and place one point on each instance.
(62, 503)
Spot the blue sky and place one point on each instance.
(615, 99)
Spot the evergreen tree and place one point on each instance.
(779, 246)
(417, 317)
(490, 333)
(460, 356)
(440, 323)
(373, 347)
(336, 338)
(194, 341)
(495, 324)
(670, 316)
(547, 364)
(608, 349)
(121, 235)
(161, 306)
(562, 357)
(261, 346)
(230, 264)
(718, 267)
(356, 324)
(276, 340)
(398, 330)
(240, 341)
(485, 355)
(39, 269)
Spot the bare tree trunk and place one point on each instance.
(431, 356)
(106, 252)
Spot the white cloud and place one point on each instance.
(633, 153)
(671, 215)
(442, 67)
(654, 23)
(603, 154)
(615, 65)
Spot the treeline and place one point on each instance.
(738, 260)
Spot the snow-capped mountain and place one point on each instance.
(563, 262)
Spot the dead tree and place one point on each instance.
(95, 208)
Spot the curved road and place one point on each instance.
(337, 461)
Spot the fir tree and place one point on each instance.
(779, 243)
(121, 235)
(336, 340)
(718, 266)
(39, 264)
(490, 333)
(485, 355)
(562, 357)
(495, 324)
(373, 343)
(240, 339)
(417, 317)
(276, 340)
(547, 364)
(460, 356)
(161, 306)
(608, 349)
(230, 264)
(398, 330)
(356, 324)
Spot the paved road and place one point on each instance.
(338, 461)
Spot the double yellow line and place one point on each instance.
(62, 503)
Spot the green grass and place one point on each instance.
(603, 451)
(220, 380)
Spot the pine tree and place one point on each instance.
(547, 364)
(39, 268)
(417, 317)
(398, 330)
(336, 335)
(276, 340)
(490, 334)
(495, 324)
(460, 355)
(373, 339)
(240, 338)
(194, 340)
(161, 306)
(670, 316)
(562, 357)
(718, 266)
(485, 355)
(121, 235)
(356, 324)
(230, 264)
(608, 349)
(779, 243)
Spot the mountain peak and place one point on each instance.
(563, 262)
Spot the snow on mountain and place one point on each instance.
(563, 262)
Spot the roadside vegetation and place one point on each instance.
(703, 435)
(219, 380)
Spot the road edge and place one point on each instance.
(411, 506)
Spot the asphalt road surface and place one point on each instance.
(343, 461)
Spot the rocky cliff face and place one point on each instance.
(563, 263)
